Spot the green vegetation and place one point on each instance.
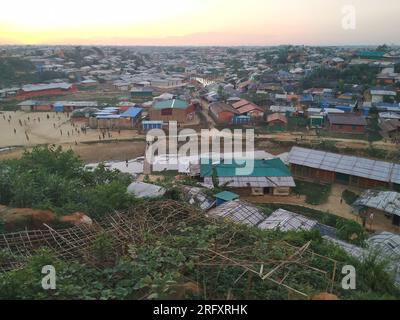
(102, 249)
(315, 193)
(351, 231)
(8, 106)
(296, 123)
(259, 99)
(16, 71)
(48, 178)
(349, 197)
(342, 135)
(360, 74)
(167, 266)
(373, 128)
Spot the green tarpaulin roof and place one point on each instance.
(227, 196)
(170, 104)
(371, 54)
(262, 168)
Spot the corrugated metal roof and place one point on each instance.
(386, 201)
(287, 221)
(77, 104)
(282, 109)
(386, 243)
(152, 122)
(256, 182)
(356, 166)
(195, 195)
(351, 249)
(347, 119)
(109, 116)
(40, 87)
(28, 103)
(238, 211)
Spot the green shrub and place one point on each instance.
(315, 193)
(349, 197)
(49, 178)
(351, 231)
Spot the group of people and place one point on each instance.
(24, 124)
(57, 121)
(106, 133)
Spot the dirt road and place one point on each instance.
(340, 142)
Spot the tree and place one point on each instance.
(383, 48)
(49, 178)
(283, 56)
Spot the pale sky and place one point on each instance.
(197, 22)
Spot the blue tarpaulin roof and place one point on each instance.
(131, 112)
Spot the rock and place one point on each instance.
(325, 296)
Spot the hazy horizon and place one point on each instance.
(198, 23)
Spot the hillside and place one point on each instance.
(166, 249)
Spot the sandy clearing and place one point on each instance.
(47, 128)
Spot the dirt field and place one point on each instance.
(33, 128)
(26, 130)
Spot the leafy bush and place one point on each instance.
(161, 264)
(49, 178)
(351, 231)
(349, 197)
(376, 277)
(315, 193)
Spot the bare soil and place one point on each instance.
(38, 129)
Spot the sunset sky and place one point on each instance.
(197, 22)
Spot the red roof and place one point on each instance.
(240, 103)
(277, 116)
(244, 106)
